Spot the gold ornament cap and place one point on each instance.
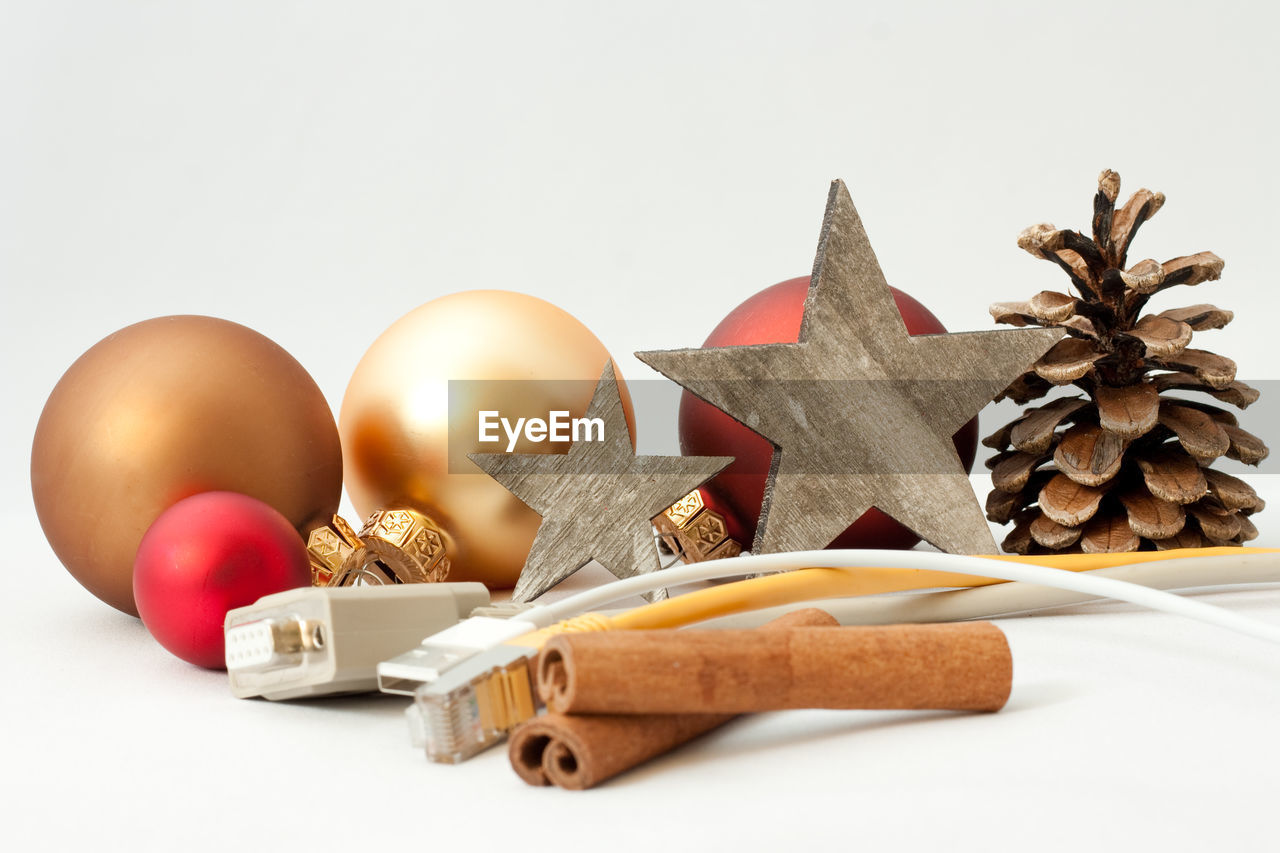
(694, 532)
(329, 547)
(396, 546)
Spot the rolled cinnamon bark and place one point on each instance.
(963, 667)
(583, 751)
(579, 752)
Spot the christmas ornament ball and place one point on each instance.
(208, 554)
(165, 409)
(410, 415)
(773, 316)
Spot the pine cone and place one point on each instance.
(1121, 467)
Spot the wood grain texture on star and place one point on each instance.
(955, 667)
(579, 752)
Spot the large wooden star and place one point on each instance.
(598, 500)
(860, 413)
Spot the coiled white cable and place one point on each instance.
(871, 560)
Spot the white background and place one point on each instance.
(316, 169)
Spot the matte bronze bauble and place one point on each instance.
(165, 409)
(411, 415)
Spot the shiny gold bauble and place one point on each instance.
(410, 416)
(165, 409)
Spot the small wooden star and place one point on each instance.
(596, 501)
(860, 413)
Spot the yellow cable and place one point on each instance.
(812, 584)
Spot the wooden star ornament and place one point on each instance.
(859, 412)
(596, 501)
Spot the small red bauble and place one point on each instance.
(773, 316)
(208, 554)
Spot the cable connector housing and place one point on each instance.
(446, 650)
(474, 707)
(322, 641)
(473, 683)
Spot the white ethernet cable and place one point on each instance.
(1009, 599)
(440, 653)
(1085, 583)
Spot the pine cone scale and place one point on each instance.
(1050, 534)
(1198, 433)
(1067, 360)
(1245, 447)
(1068, 502)
(1214, 370)
(1173, 476)
(1089, 454)
(1129, 412)
(1109, 535)
(1162, 336)
(1153, 517)
(1233, 492)
(1035, 432)
(1200, 318)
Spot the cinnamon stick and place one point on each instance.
(580, 752)
(963, 666)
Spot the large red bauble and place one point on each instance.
(773, 316)
(208, 554)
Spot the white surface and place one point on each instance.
(1161, 730)
(315, 170)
